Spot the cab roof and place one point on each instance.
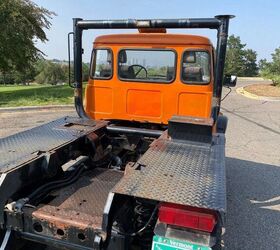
(152, 38)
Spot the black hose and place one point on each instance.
(141, 229)
(227, 93)
(53, 183)
(59, 185)
(45, 189)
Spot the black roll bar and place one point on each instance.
(220, 23)
(135, 131)
(211, 23)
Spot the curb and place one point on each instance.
(252, 78)
(30, 108)
(247, 94)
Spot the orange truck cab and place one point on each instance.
(149, 77)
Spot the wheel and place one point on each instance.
(218, 233)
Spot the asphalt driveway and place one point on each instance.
(15, 121)
(253, 172)
(253, 166)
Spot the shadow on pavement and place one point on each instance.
(253, 212)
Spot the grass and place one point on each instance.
(36, 95)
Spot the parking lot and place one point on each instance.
(253, 165)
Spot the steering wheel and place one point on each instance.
(141, 68)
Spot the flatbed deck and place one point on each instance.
(196, 169)
(28, 145)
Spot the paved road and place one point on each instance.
(253, 166)
(253, 172)
(16, 121)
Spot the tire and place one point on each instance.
(222, 122)
(219, 236)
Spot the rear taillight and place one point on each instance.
(187, 217)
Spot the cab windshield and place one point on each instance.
(147, 65)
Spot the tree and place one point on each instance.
(240, 61)
(65, 68)
(24, 77)
(271, 70)
(250, 66)
(22, 24)
(50, 73)
(85, 71)
(235, 56)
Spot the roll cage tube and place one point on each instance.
(220, 23)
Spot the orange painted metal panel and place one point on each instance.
(144, 103)
(148, 102)
(100, 99)
(194, 104)
(149, 38)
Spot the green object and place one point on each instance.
(162, 243)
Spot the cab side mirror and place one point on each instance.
(230, 81)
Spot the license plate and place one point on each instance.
(162, 243)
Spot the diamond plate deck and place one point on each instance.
(186, 173)
(25, 146)
(82, 203)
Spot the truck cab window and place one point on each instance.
(147, 65)
(196, 67)
(101, 64)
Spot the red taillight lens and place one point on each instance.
(188, 217)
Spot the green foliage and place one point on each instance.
(50, 73)
(271, 70)
(7, 78)
(85, 72)
(250, 65)
(25, 76)
(240, 61)
(65, 68)
(234, 57)
(153, 73)
(22, 24)
(16, 77)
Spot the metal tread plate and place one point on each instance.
(82, 203)
(27, 145)
(188, 173)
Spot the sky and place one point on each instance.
(257, 22)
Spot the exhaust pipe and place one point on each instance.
(78, 75)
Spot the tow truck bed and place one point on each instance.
(187, 172)
(184, 172)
